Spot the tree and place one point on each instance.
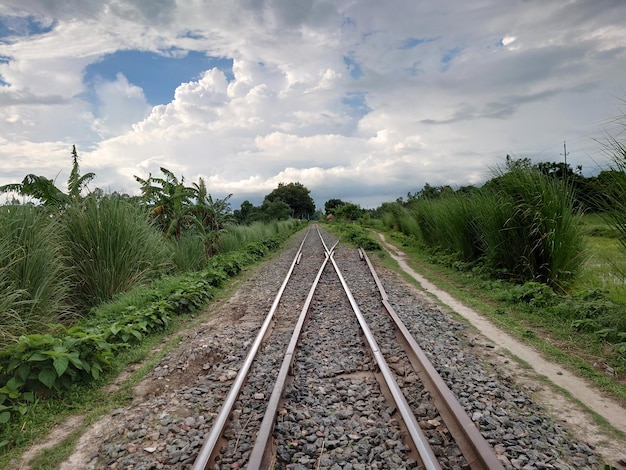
(210, 216)
(349, 211)
(296, 196)
(44, 190)
(276, 210)
(76, 182)
(332, 205)
(242, 215)
(169, 200)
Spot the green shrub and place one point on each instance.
(522, 225)
(33, 278)
(44, 363)
(111, 247)
(534, 293)
(188, 253)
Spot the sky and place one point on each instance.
(358, 100)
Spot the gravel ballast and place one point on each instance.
(334, 413)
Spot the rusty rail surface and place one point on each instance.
(476, 450)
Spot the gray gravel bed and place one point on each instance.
(521, 431)
(334, 415)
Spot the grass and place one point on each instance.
(522, 225)
(34, 282)
(235, 236)
(606, 263)
(111, 247)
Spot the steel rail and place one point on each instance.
(208, 448)
(260, 457)
(476, 450)
(425, 452)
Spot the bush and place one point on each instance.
(188, 253)
(33, 277)
(111, 247)
(541, 239)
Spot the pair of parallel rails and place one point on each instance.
(477, 452)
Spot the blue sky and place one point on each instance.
(158, 74)
(360, 101)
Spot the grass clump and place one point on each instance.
(522, 226)
(111, 247)
(34, 279)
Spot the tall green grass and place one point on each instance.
(33, 276)
(235, 236)
(188, 253)
(543, 236)
(616, 192)
(523, 226)
(111, 247)
(450, 224)
(11, 324)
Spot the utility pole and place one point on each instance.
(565, 154)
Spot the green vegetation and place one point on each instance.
(111, 247)
(577, 329)
(38, 366)
(522, 225)
(87, 280)
(291, 200)
(523, 236)
(33, 275)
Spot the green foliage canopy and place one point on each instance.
(296, 196)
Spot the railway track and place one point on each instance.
(337, 350)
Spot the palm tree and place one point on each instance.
(210, 216)
(170, 202)
(44, 190)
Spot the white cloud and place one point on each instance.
(121, 105)
(445, 90)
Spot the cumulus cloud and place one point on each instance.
(355, 100)
(121, 105)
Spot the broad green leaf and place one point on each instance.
(38, 357)
(14, 383)
(74, 358)
(5, 416)
(95, 371)
(48, 376)
(23, 371)
(137, 334)
(60, 364)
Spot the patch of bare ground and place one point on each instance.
(542, 377)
